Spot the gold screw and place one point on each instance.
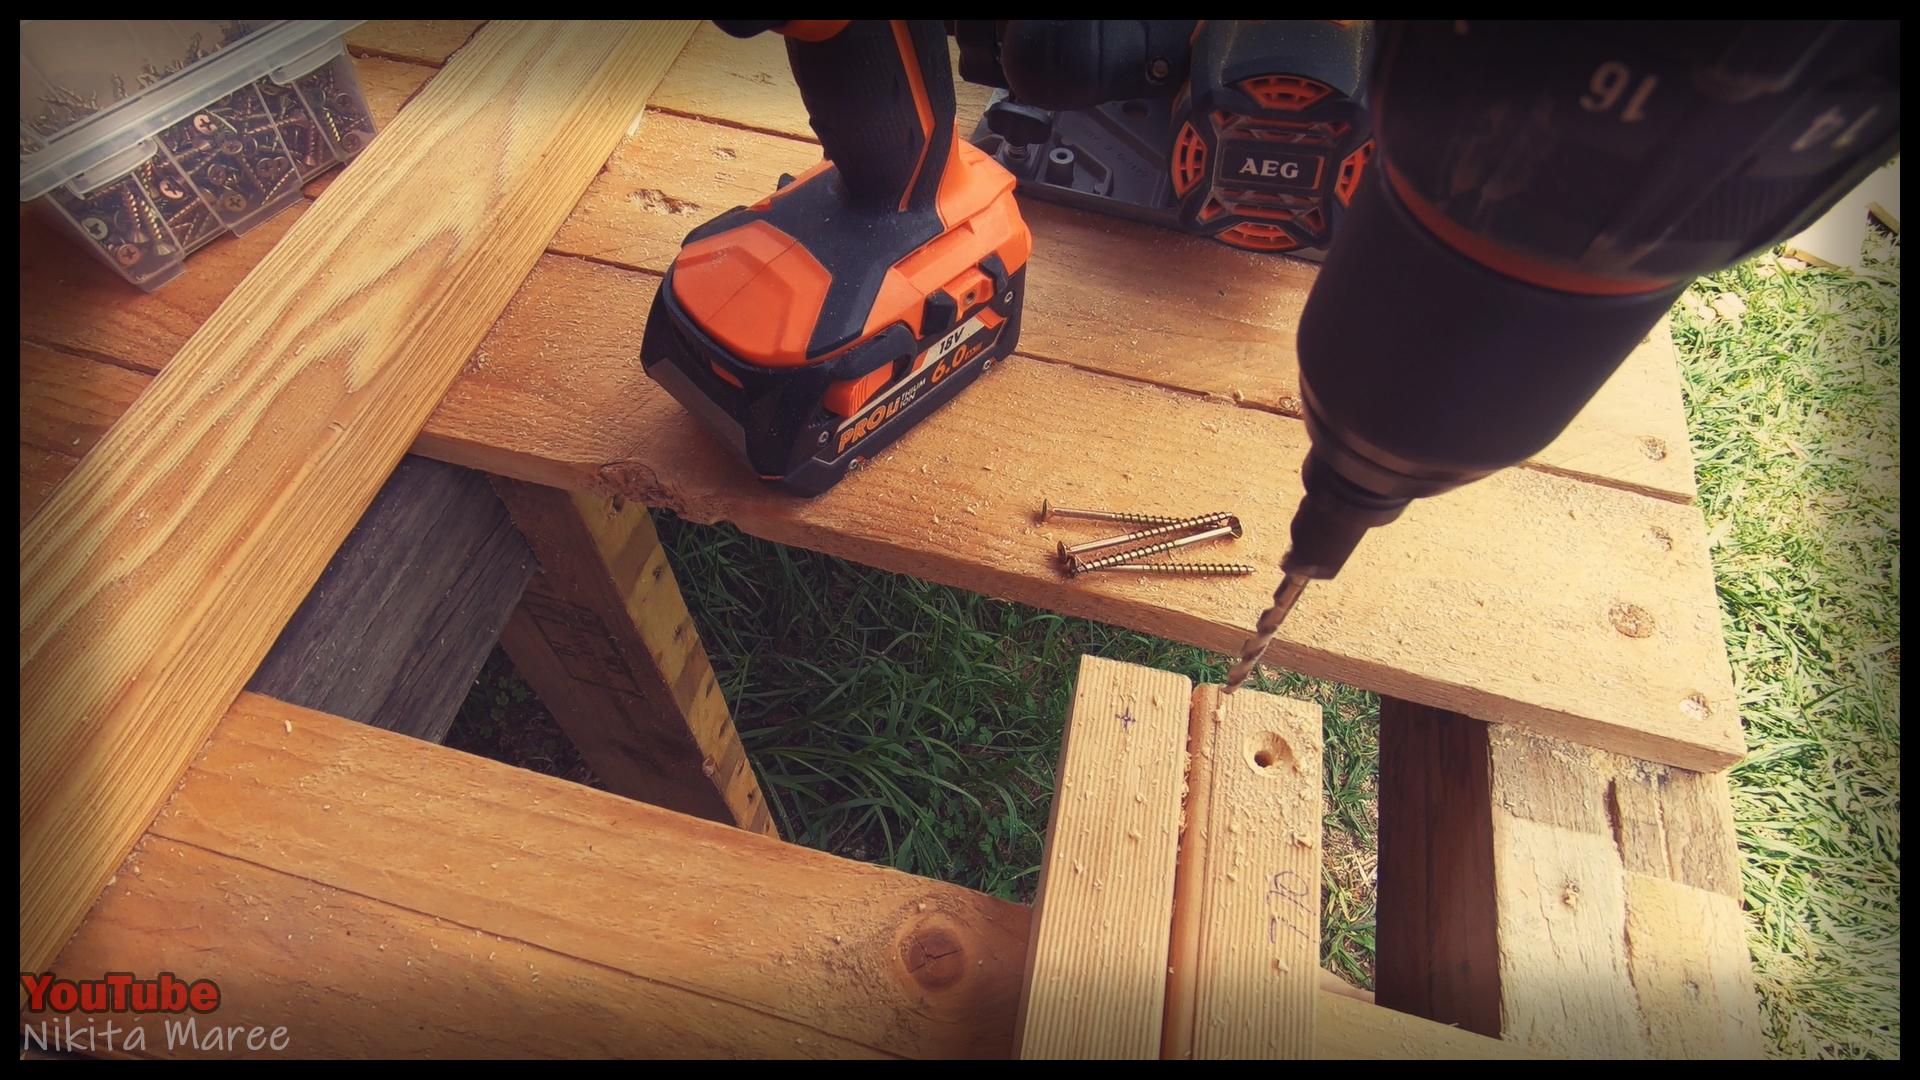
(1204, 569)
(1232, 528)
(1202, 521)
(1048, 512)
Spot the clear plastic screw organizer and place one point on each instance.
(148, 139)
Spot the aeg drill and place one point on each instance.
(811, 329)
(1540, 195)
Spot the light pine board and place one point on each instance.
(157, 575)
(1246, 916)
(1097, 967)
(610, 928)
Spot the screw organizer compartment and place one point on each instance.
(149, 139)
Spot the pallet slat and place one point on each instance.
(1246, 916)
(156, 577)
(708, 942)
(1096, 977)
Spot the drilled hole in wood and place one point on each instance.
(1267, 749)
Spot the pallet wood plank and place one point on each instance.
(1246, 918)
(154, 579)
(1618, 563)
(374, 954)
(954, 501)
(1687, 952)
(404, 616)
(1222, 321)
(415, 41)
(1576, 901)
(605, 639)
(791, 936)
(1097, 967)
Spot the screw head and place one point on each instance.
(95, 227)
(822, 440)
(126, 255)
(171, 189)
(350, 142)
(1007, 299)
(1158, 70)
(856, 464)
(233, 202)
(204, 124)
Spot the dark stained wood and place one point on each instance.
(1437, 951)
(408, 610)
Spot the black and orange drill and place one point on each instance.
(811, 329)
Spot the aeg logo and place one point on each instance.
(1280, 170)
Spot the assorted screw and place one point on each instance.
(219, 167)
(1197, 529)
(1177, 525)
(1203, 569)
(1077, 566)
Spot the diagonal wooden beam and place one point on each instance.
(605, 639)
(155, 578)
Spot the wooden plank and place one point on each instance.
(1096, 976)
(595, 422)
(395, 950)
(1436, 947)
(605, 639)
(954, 501)
(1246, 916)
(1687, 953)
(407, 612)
(779, 937)
(417, 41)
(157, 575)
(1346, 1029)
(1221, 321)
(1578, 902)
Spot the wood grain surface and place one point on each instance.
(157, 575)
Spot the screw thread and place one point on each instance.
(1205, 569)
(1075, 567)
(1176, 525)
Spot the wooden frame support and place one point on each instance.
(605, 639)
(156, 577)
(379, 896)
(1567, 899)
(1178, 912)
(402, 620)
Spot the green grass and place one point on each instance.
(1795, 414)
(898, 721)
(901, 722)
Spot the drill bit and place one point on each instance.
(1284, 598)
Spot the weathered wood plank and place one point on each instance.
(954, 501)
(405, 615)
(1096, 977)
(788, 941)
(462, 932)
(155, 578)
(416, 41)
(584, 416)
(1575, 901)
(606, 640)
(1246, 919)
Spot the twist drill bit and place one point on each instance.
(1284, 598)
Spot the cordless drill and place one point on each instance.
(813, 328)
(1540, 196)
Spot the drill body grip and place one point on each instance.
(879, 94)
